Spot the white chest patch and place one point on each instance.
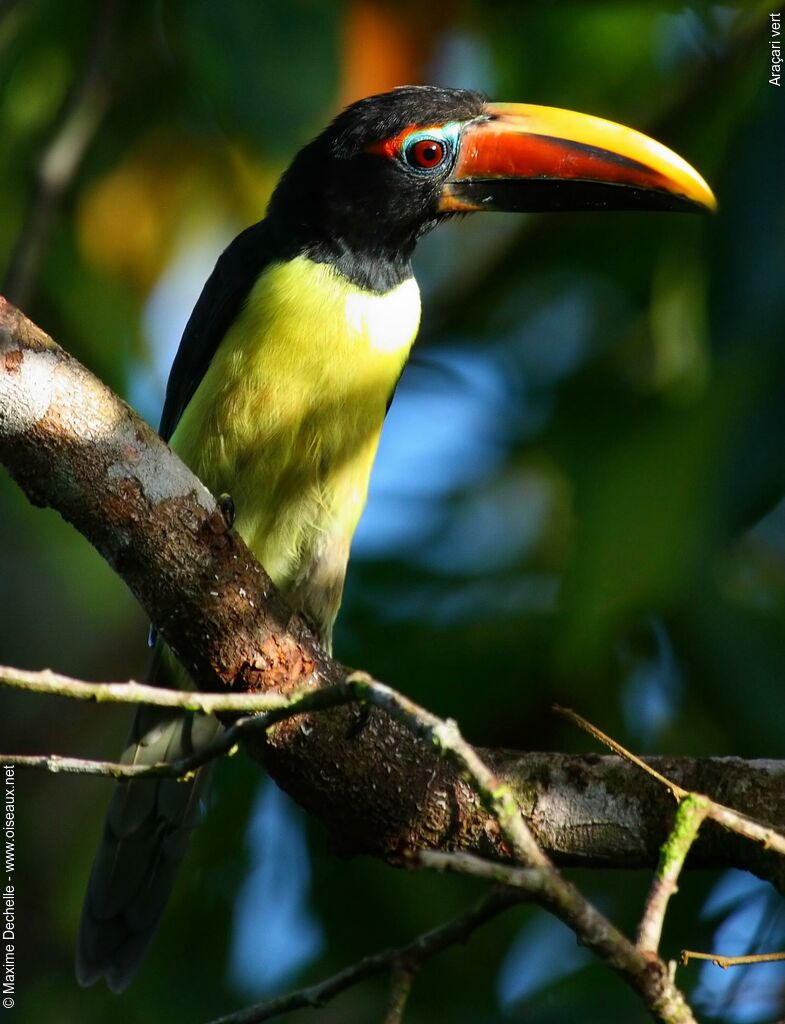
(387, 322)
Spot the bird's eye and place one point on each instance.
(426, 154)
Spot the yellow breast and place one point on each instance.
(288, 416)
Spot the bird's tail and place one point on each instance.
(145, 837)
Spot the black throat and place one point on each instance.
(324, 210)
(372, 271)
(368, 259)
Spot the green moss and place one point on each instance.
(689, 816)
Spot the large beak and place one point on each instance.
(528, 158)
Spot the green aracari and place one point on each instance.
(285, 371)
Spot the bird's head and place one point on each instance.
(391, 166)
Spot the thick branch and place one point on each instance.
(647, 975)
(583, 809)
(725, 816)
(71, 444)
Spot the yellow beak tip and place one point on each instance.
(703, 196)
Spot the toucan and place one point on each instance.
(286, 368)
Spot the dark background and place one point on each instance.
(576, 498)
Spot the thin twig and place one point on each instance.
(401, 981)
(730, 961)
(617, 748)
(730, 819)
(135, 693)
(54, 684)
(414, 955)
(548, 888)
(58, 765)
(690, 815)
(224, 743)
(734, 821)
(530, 880)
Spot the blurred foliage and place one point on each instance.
(577, 497)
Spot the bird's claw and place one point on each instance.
(227, 509)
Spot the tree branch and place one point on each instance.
(648, 976)
(57, 685)
(725, 816)
(412, 957)
(72, 444)
(690, 815)
(401, 981)
(731, 961)
(583, 809)
(59, 765)
(644, 972)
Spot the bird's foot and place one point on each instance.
(228, 510)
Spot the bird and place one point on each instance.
(283, 376)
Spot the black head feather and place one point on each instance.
(386, 114)
(362, 212)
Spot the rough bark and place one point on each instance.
(71, 444)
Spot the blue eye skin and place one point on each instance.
(430, 150)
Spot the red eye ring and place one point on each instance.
(426, 153)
